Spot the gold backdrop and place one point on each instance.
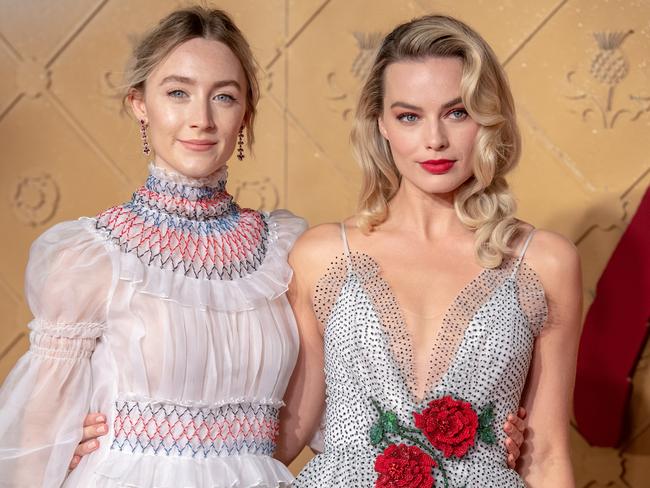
(68, 151)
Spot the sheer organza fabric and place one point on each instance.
(108, 329)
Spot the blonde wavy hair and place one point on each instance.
(181, 26)
(484, 202)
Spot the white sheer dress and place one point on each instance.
(169, 314)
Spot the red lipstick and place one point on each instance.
(437, 166)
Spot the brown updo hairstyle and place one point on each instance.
(483, 203)
(181, 26)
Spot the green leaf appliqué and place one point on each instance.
(376, 434)
(485, 421)
(390, 422)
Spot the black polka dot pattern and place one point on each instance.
(482, 355)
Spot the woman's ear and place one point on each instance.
(382, 128)
(246, 119)
(136, 100)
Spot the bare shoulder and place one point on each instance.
(323, 239)
(315, 249)
(552, 252)
(556, 261)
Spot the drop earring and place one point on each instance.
(240, 144)
(143, 135)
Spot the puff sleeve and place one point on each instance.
(46, 396)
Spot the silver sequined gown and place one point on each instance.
(482, 355)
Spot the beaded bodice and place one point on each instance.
(481, 355)
(192, 226)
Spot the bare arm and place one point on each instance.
(305, 396)
(546, 458)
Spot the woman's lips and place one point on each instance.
(437, 166)
(197, 144)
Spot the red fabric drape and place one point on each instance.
(614, 335)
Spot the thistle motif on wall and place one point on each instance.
(340, 99)
(368, 43)
(608, 68)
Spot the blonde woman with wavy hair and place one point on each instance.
(483, 203)
(438, 310)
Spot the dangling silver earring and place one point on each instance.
(143, 135)
(240, 144)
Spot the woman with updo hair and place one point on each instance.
(167, 313)
(437, 310)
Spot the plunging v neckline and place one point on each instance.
(445, 344)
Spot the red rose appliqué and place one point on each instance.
(449, 424)
(404, 467)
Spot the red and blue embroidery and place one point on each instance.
(197, 230)
(173, 430)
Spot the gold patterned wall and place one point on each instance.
(583, 96)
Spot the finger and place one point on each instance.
(94, 418)
(512, 462)
(86, 447)
(520, 423)
(515, 454)
(522, 413)
(518, 437)
(517, 422)
(509, 445)
(513, 449)
(74, 463)
(94, 431)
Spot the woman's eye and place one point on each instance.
(176, 93)
(408, 117)
(458, 114)
(224, 97)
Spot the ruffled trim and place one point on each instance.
(211, 181)
(155, 471)
(136, 397)
(75, 330)
(45, 345)
(268, 282)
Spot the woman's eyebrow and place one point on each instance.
(405, 105)
(178, 79)
(190, 81)
(408, 106)
(453, 102)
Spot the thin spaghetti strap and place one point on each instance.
(344, 238)
(346, 247)
(523, 251)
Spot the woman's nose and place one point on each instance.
(436, 136)
(202, 116)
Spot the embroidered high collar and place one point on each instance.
(190, 198)
(188, 225)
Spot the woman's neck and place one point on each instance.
(190, 198)
(429, 216)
